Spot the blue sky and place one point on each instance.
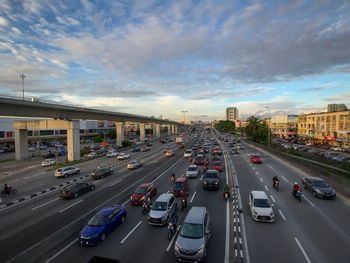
(161, 57)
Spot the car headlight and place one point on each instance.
(216, 182)
(318, 191)
(131, 198)
(201, 250)
(205, 182)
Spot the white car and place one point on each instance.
(192, 171)
(260, 207)
(123, 156)
(169, 153)
(134, 165)
(112, 153)
(48, 162)
(92, 154)
(188, 153)
(66, 171)
(32, 148)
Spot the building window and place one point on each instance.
(9, 134)
(46, 132)
(2, 134)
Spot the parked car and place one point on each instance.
(192, 171)
(181, 187)
(318, 187)
(211, 180)
(134, 165)
(102, 224)
(66, 171)
(260, 207)
(169, 153)
(135, 149)
(91, 154)
(49, 155)
(101, 173)
(48, 162)
(112, 153)
(140, 193)
(75, 190)
(32, 148)
(123, 156)
(256, 159)
(144, 149)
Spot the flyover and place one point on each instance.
(67, 117)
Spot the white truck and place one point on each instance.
(179, 139)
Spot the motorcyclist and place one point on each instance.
(226, 190)
(275, 180)
(183, 201)
(296, 188)
(7, 189)
(172, 178)
(173, 221)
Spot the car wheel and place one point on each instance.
(92, 188)
(76, 195)
(78, 172)
(103, 237)
(123, 219)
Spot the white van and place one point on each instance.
(260, 207)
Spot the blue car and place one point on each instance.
(104, 222)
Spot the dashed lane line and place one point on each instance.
(302, 250)
(62, 250)
(132, 230)
(261, 180)
(282, 215)
(267, 189)
(273, 199)
(45, 204)
(64, 209)
(194, 194)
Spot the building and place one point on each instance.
(336, 107)
(232, 114)
(284, 126)
(332, 127)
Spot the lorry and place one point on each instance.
(179, 139)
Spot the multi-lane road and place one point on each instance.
(45, 228)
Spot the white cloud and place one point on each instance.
(4, 22)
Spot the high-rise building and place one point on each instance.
(231, 114)
(336, 107)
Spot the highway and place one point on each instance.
(45, 228)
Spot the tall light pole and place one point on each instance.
(268, 128)
(184, 112)
(22, 76)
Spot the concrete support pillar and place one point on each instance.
(142, 132)
(157, 130)
(119, 133)
(175, 129)
(169, 129)
(73, 140)
(21, 144)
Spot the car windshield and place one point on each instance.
(261, 203)
(211, 175)
(97, 220)
(141, 190)
(178, 186)
(320, 184)
(192, 169)
(194, 231)
(159, 206)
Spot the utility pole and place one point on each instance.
(22, 76)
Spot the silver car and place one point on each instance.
(191, 243)
(192, 171)
(66, 171)
(164, 206)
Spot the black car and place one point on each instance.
(135, 149)
(49, 155)
(75, 190)
(211, 180)
(318, 187)
(102, 172)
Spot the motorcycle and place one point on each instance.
(226, 195)
(183, 204)
(171, 230)
(276, 185)
(11, 190)
(146, 208)
(297, 195)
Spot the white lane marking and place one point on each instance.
(114, 183)
(127, 201)
(284, 178)
(307, 199)
(63, 249)
(201, 177)
(132, 230)
(302, 250)
(261, 180)
(282, 215)
(257, 173)
(193, 196)
(64, 209)
(267, 189)
(172, 240)
(273, 199)
(44, 204)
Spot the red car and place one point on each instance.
(256, 159)
(217, 166)
(140, 193)
(180, 187)
(217, 151)
(200, 160)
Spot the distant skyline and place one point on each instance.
(162, 57)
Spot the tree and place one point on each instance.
(257, 129)
(98, 139)
(225, 126)
(126, 143)
(111, 134)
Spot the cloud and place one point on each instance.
(4, 22)
(339, 98)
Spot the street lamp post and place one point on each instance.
(268, 128)
(22, 76)
(184, 112)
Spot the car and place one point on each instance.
(163, 141)
(240, 146)
(195, 232)
(235, 151)
(169, 153)
(136, 149)
(102, 224)
(181, 187)
(217, 151)
(48, 162)
(112, 153)
(32, 148)
(123, 156)
(101, 173)
(217, 166)
(75, 190)
(318, 187)
(149, 144)
(145, 149)
(188, 153)
(260, 207)
(66, 171)
(162, 209)
(211, 180)
(140, 193)
(49, 155)
(192, 171)
(91, 154)
(255, 159)
(134, 165)
(200, 159)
